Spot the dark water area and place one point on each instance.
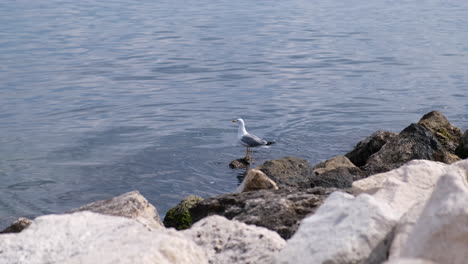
(98, 98)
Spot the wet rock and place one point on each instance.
(131, 205)
(414, 142)
(372, 144)
(344, 229)
(179, 217)
(440, 233)
(338, 172)
(447, 134)
(227, 241)
(239, 164)
(288, 172)
(256, 180)
(17, 226)
(279, 211)
(462, 149)
(87, 237)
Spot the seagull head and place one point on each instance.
(240, 121)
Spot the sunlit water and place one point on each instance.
(98, 98)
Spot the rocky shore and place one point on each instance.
(395, 198)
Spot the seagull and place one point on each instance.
(247, 139)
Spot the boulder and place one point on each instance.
(256, 180)
(17, 226)
(279, 211)
(414, 142)
(447, 134)
(409, 261)
(403, 228)
(288, 172)
(239, 164)
(87, 237)
(372, 144)
(228, 241)
(131, 205)
(462, 149)
(404, 187)
(344, 229)
(179, 216)
(441, 231)
(338, 172)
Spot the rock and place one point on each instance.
(403, 228)
(179, 216)
(228, 241)
(414, 142)
(279, 211)
(462, 149)
(372, 144)
(338, 172)
(131, 205)
(404, 187)
(87, 237)
(239, 164)
(17, 226)
(448, 135)
(409, 261)
(343, 230)
(440, 233)
(256, 180)
(288, 172)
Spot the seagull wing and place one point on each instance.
(252, 140)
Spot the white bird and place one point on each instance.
(247, 139)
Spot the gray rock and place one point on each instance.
(365, 148)
(86, 237)
(256, 180)
(239, 164)
(17, 226)
(338, 172)
(228, 241)
(414, 142)
(131, 205)
(279, 211)
(447, 134)
(179, 217)
(343, 230)
(462, 149)
(288, 172)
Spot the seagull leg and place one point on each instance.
(247, 154)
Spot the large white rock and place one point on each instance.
(441, 231)
(344, 229)
(403, 228)
(406, 186)
(409, 261)
(87, 237)
(228, 241)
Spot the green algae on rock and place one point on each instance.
(179, 217)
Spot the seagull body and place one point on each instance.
(247, 139)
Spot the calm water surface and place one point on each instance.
(98, 98)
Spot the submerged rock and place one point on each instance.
(462, 149)
(344, 229)
(179, 217)
(131, 205)
(227, 241)
(279, 211)
(338, 172)
(447, 134)
(17, 226)
(240, 163)
(288, 172)
(372, 144)
(256, 180)
(87, 237)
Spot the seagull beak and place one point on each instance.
(234, 121)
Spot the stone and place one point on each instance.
(414, 142)
(365, 148)
(344, 229)
(279, 211)
(447, 134)
(441, 231)
(288, 172)
(179, 217)
(256, 180)
(131, 205)
(404, 187)
(409, 261)
(403, 228)
(337, 172)
(227, 241)
(239, 164)
(462, 149)
(17, 226)
(86, 237)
